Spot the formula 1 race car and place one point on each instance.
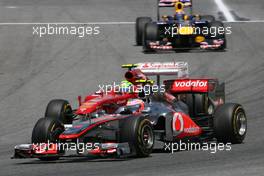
(182, 30)
(121, 124)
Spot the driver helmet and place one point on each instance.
(126, 86)
(179, 6)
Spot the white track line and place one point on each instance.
(11, 7)
(107, 23)
(72, 23)
(222, 7)
(253, 21)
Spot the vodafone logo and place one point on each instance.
(190, 83)
(177, 122)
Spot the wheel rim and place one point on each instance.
(147, 136)
(67, 110)
(241, 123)
(55, 132)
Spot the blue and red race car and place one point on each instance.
(182, 30)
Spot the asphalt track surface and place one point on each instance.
(34, 70)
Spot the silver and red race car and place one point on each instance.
(128, 123)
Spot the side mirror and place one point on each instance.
(80, 100)
(126, 111)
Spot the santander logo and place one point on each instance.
(156, 65)
(191, 83)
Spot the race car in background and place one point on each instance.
(182, 30)
(115, 127)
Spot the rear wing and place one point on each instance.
(179, 69)
(171, 3)
(214, 89)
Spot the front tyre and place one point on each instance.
(47, 130)
(230, 123)
(138, 132)
(59, 109)
(151, 34)
(140, 26)
(218, 26)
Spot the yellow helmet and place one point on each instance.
(179, 7)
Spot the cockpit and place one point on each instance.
(132, 106)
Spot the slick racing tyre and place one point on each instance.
(138, 132)
(216, 25)
(47, 130)
(151, 33)
(60, 110)
(230, 123)
(208, 18)
(140, 25)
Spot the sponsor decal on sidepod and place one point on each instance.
(190, 83)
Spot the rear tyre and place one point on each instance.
(208, 18)
(60, 110)
(140, 25)
(230, 123)
(151, 33)
(138, 132)
(47, 130)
